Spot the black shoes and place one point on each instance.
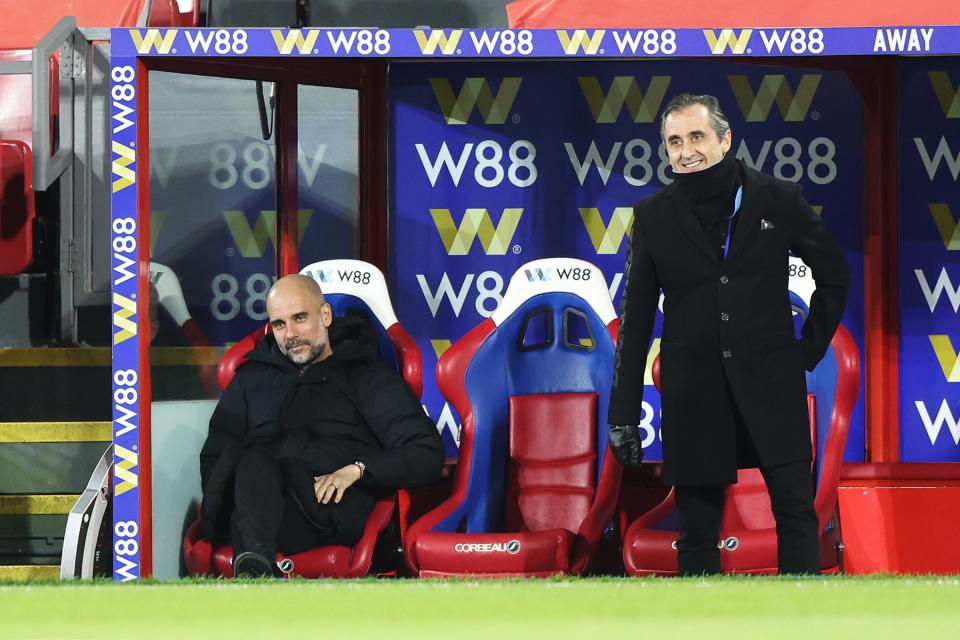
(251, 564)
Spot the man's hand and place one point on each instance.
(627, 444)
(334, 484)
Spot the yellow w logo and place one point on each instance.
(948, 358)
(948, 227)
(122, 470)
(476, 222)
(727, 38)
(607, 238)
(152, 39)
(624, 90)
(793, 106)
(475, 92)
(580, 39)
(252, 242)
(121, 318)
(948, 96)
(440, 346)
(294, 39)
(121, 166)
(437, 38)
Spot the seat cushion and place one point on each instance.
(553, 461)
(540, 553)
(322, 562)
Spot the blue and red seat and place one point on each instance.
(748, 537)
(535, 483)
(351, 287)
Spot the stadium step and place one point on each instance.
(26, 572)
(43, 468)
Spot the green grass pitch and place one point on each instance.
(908, 608)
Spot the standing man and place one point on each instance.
(310, 431)
(716, 242)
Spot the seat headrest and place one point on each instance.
(557, 275)
(355, 278)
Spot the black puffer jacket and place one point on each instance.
(347, 407)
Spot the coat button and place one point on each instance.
(724, 279)
(727, 354)
(724, 316)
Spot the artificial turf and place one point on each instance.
(907, 608)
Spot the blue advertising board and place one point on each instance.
(929, 169)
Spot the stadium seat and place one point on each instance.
(351, 287)
(535, 483)
(17, 209)
(748, 537)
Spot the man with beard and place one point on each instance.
(310, 431)
(717, 243)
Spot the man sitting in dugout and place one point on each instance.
(310, 431)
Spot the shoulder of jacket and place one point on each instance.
(777, 185)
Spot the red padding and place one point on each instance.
(538, 553)
(205, 558)
(237, 355)
(553, 459)
(409, 357)
(17, 209)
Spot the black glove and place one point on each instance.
(627, 444)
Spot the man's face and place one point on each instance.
(692, 144)
(299, 323)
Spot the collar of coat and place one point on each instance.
(748, 223)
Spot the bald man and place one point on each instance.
(310, 431)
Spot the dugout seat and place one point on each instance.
(535, 482)
(748, 537)
(17, 208)
(351, 287)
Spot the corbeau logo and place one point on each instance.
(947, 94)
(793, 105)
(624, 90)
(294, 39)
(126, 460)
(457, 240)
(121, 318)
(252, 242)
(438, 39)
(580, 40)
(121, 166)
(475, 92)
(728, 38)
(948, 227)
(948, 358)
(607, 237)
(512, 547)
(153, 39)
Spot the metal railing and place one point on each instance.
(47, 166)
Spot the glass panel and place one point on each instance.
(213, 223)
(328, 159)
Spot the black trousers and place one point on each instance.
(700, 511)
(275, 508)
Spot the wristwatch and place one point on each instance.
(362, 467)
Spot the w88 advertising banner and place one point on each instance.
(497, 164)
(929, 157)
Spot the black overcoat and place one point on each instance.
(728, 342)
(345, 408)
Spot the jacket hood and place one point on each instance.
(352, 339)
